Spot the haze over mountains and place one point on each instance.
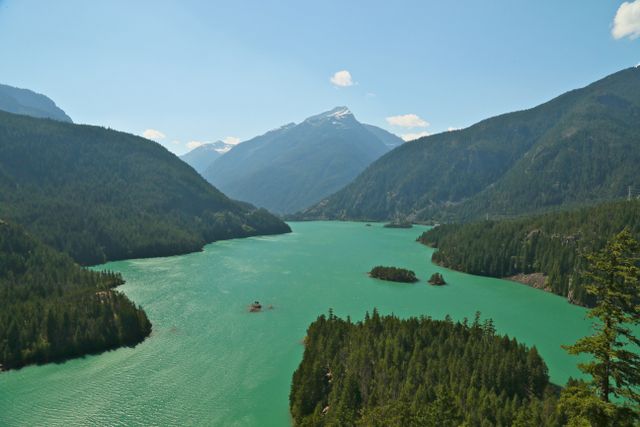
(27, 102)
(294, 166)
(579, 148)
(200, 158)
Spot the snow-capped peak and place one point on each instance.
(218, 146)
(335, 116)
(339, 112)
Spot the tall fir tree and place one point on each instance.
(613, 277)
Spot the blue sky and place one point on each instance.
(206, 70)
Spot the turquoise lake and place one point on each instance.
(211, 362)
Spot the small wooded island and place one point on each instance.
(393, 274)
(436, 279)
(403, 224)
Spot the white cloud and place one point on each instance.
(412, 136)
(194, 144)
(342, 79)
(451, 129)
(231, 140)
(407, 121)
(626, 23)
(154, 134)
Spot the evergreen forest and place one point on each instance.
(51, 309)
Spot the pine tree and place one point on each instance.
(613, 278)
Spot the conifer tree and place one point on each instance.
(613, 278)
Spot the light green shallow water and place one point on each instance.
(210, 362)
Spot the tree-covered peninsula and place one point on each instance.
(385, 371)
(548, 248)
(98, 194)
(51, 309)
(393, 274)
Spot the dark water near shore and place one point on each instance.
(210, 362)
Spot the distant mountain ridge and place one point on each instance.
(294, 166)
(389, 139)
(580, 148)
(201, 157)
(98, 194)
(29, 103)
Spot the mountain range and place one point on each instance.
(294, 166)
(27, 102)
(579, 148)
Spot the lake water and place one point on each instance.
(210, 362)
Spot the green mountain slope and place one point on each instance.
(51, 309)
(547, 248)
(29, 103)
(581, 147)
(294, 166)
(100, 195)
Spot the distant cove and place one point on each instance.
(212, 362)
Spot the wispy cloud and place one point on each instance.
(451, 129)
(626, 23)
(412, 136)
(154, 134)
(342, 78)
(407, 121)
(195, 144)
(231, 140)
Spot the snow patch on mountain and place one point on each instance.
(340, 113)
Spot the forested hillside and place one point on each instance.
(551, 244)
(418, 372)
(580, 148)
(51, 309)
(98, 194)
